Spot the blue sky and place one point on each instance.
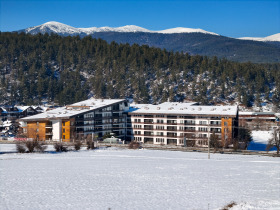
(237, 18)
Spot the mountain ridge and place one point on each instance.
(64, 28)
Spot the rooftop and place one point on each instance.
(74, 109)
(183, 108)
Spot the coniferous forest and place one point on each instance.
(63, 70)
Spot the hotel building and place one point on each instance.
(169, 123)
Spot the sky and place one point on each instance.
(236, 18)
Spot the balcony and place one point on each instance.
(148, 122)
(171, 135)
(148, 128)
(189, 123)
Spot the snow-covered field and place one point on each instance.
(138, 179)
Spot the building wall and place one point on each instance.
(66, 130)
(36, 130)
(169, 129)
(227, 131)
(56, 129)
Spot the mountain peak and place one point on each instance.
(53, 23)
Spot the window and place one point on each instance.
(137, 126)
(160, 140)
(202, 135)
(63, 130)
(138, 138)
(225, 123)
(159, 134)
(159, 127)
(202, 129)
(63, 123)
(63, 137)
(159, 121)
(215, 122)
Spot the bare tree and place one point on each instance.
(33, 134)
(274, 141)
(215, 142)
(190, 139)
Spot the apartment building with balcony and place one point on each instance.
(90, 117)
(169, 123)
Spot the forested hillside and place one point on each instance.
(69, 69)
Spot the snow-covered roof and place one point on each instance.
(184, 109)
(23, 108)
(74, 109)
(256, 113)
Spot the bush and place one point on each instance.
(134, 145)
(30, 145)
(20, 147)
(60, 147)
(229, 206)
(41, 146)
(90, 144)
(77, 145)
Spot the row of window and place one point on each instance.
(186, 122)
(174, 128)
(175, 117)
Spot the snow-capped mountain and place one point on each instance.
(63, 29)
(272, 38)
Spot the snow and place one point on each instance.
(64, 112)
(138, 179)
(184, 108)
(272, 38)
(65, 29)
(185, 30)
(261, 136)
(4, 148)
(260, 139)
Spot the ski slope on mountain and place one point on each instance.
(138, 179)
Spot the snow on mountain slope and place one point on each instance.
(61, 28)
(272, 38)
(53, 26)
(185, 30)
(251, 38)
